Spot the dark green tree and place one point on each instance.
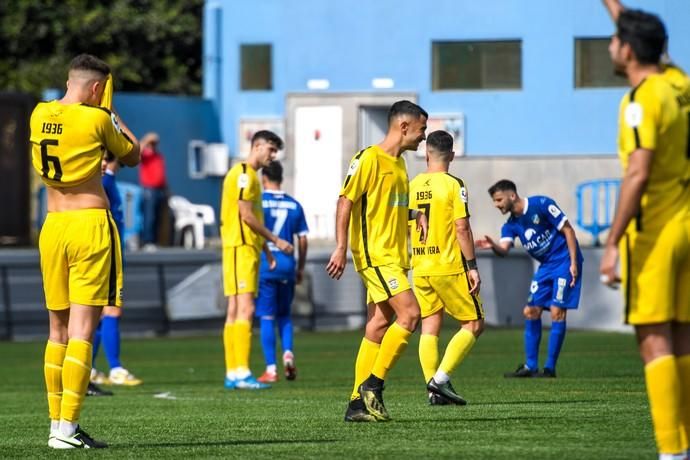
(151, 45)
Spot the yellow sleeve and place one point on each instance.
(248, 184)
(460, 208)
(359, 176)
(640, 120)
(112, 136)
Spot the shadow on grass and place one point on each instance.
(239, 442)
(553, 401)
(475, 419)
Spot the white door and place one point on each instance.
(318, 171)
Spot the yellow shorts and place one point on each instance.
(451, 292)
(384, 282)
(240, 270)
(656, 275)
(81, 259)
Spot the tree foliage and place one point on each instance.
(151, 45)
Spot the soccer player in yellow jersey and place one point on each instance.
(244, 234)
(79, 244)
(444, 268)
(374, 204)
(651, 227)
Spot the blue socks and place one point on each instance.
(268, 336)
(556, 339)
(96, 343)
(285, 328)
(268, 339)
(532, 339)
(110, 335)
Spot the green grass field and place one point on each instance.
(595, 409)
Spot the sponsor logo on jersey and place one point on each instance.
(243, 180)
(353, 167)
(463, 194)
(529, 233)
(553, 209)
(633, 115)
(113, 119)
(535, 219)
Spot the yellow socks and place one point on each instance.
(243, 343)
(228, 346)
(52, 369)
(683, 364)
(366, 357)
(663, 390)
(428, 355)
(393, 344)
(75, 378)
(456, 351)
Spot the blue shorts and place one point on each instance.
(275, 297)
(551, 286)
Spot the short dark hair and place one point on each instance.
(503, 185)
(644, 32)
(91, 63)
(406, 108)
(273, 172)
(441, 142)
(268, 136)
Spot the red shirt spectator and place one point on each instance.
(152, 167)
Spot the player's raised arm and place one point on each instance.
(614, 8)
(336, 264)
(501, 248)
(250, 219)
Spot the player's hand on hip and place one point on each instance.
(573, 274)
(336, 265)
(422, 226)
(271, 261)
(475, 281)
(284, 246)
(485, 243)
(608, 265)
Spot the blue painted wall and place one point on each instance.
(352, 42)
(177, 120)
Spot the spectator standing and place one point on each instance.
(154, 184)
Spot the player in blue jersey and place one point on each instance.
(284, 216)
(546, 234)
(108, 331)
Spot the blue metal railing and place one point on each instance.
(596, 205)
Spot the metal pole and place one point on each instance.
(163, 297)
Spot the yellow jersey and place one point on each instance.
(650, 118)
(68, 141)
(377, 185)
(443, 198)
(241, 183)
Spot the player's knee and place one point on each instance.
(531, 312)
(410, 318)
(558, 314)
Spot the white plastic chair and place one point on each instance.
(190, 220)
